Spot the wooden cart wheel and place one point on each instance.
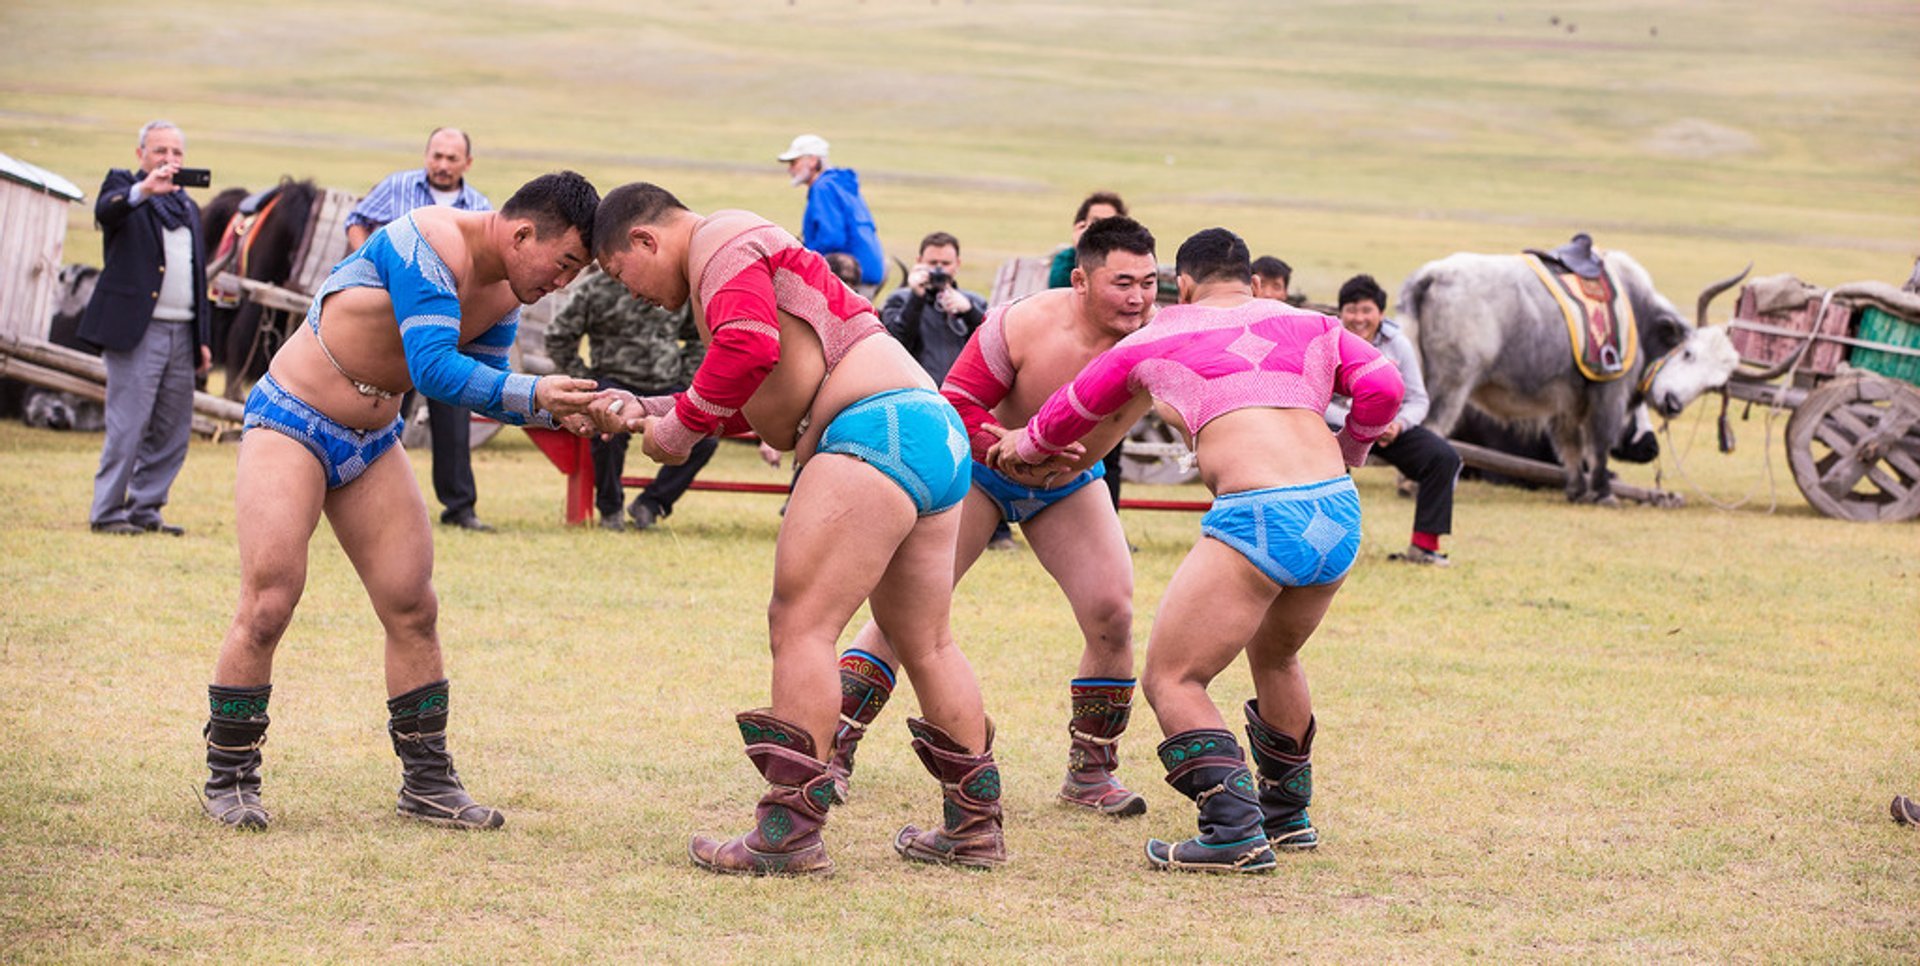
(1152, 453)
(1854, 447)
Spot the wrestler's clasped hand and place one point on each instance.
(1004, 458)
(564, 395)
(616, 411)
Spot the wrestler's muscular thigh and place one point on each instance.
(1080, 542)
(1213, 607)
(912, 606)
(1273, 654)
(278, 491)
(381, 522)
(843, 524)
(978, 516)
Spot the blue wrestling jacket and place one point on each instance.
(427, 307)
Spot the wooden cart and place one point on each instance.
(1846, 362)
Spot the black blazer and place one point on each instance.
(136, 257)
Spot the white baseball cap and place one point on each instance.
(804, 145)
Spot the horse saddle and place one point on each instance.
(1575, 256)
(1600, 323)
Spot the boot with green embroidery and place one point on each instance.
(236, 728)
(430, 790)
(1206, 766)
(866, 682)
(1286, 782)
(785, 839)
(970, 785)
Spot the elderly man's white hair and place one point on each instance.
(152, 126)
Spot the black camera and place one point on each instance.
(193, 177)
(937, 281)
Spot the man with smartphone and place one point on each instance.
(149, 317)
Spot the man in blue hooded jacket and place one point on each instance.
(837, 219)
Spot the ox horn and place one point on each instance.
(1707, 294)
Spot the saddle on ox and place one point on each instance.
(1599, 315)
(236, 243)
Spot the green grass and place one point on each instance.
(1603, 735)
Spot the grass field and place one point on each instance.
(1604, 735)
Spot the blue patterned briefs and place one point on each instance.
(1298, 536)
(1018, 502)
(344, 453)
(914, 437)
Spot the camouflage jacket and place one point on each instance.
(630, 340)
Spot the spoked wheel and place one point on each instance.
(1854, 447)
(1154, 452)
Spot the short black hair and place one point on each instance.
(1213, 255)
(1109, 235)
(1099, 198)
(638, 203)
(1267, 266)
(554, 203)
(1363, 287)
(938, 238)
(845, 267)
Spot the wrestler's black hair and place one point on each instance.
(1108, 235)
(638, 203)
(554, 203)
(1363, 287)
(1267, 266)
(1214, 255)
(1099, 198)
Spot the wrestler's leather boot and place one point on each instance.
(236, 728)
(970, 784)
(1100, 712)
(866, 682)
(1206, 766)
(1905, 810)
(1286, 782)
(430, 790)
(785, 839)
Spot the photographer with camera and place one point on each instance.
(149, 317)
(931, 315)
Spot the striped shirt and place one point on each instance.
(404, 191)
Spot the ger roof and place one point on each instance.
(33, 176)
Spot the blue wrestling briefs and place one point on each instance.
(344, 453)
(914, 436)
(1298, 536)
(1018, 502)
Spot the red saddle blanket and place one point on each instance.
(1599, 316)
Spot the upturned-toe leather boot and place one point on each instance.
(970, 786)
(1286, 782)
(1101, 708)
(430, 790)
(236, 728)
(1206, 765)
(785, 839)
(866, 682)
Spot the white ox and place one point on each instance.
(1491, 334)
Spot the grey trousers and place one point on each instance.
(149, 420)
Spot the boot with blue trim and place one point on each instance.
(430, 790)
(1101, 707)
(236, 728)
(970, 784)
(866, 682)
(1286, 781)
(785, 839)
(1206, 765)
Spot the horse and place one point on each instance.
(258, 239)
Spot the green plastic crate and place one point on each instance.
(1888, 329)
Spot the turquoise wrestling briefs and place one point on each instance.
(1298, 536)
(1019, 502)
(914, 437)
(344, 453)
